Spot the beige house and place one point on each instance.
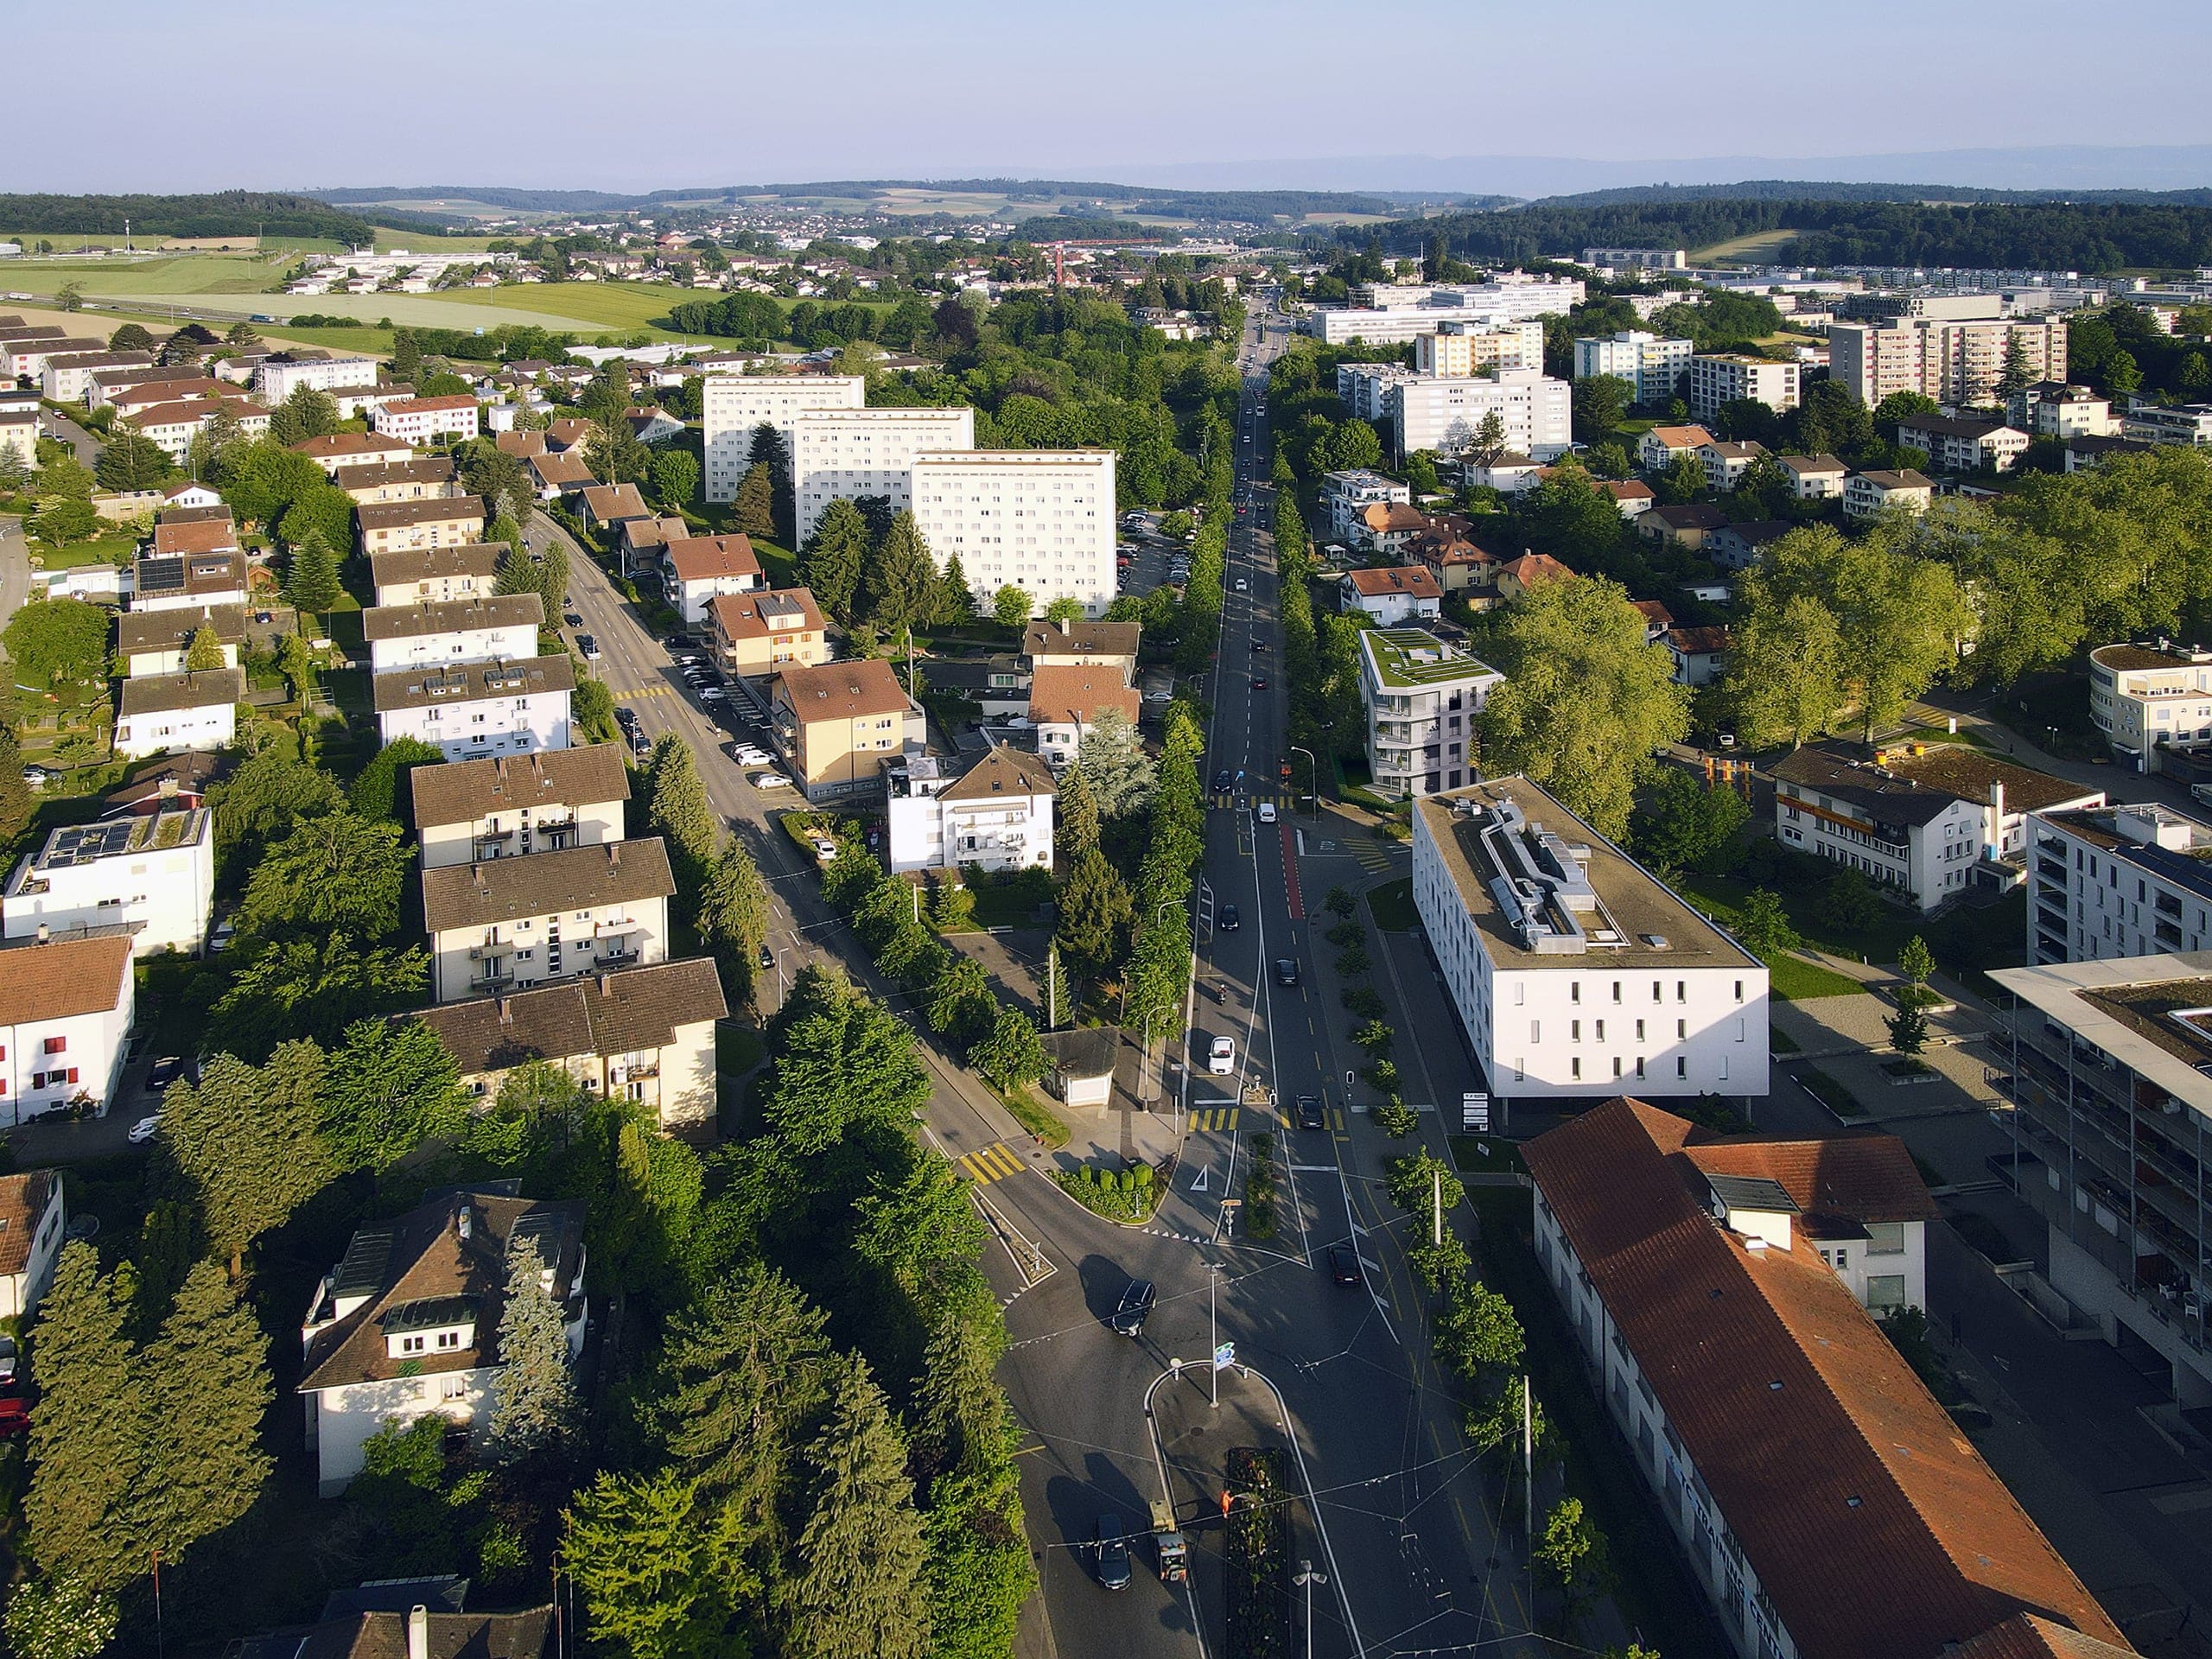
(343, 449)
(1083, 644)
(510, 923)
(470, 811)
(841, 723)
(430, 479)
(157, 642)
(761, 633)
(437, 522)
(415, 575)
(645, 1034)
(1815, 478)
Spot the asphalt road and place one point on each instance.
(60, 427)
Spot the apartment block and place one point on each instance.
(438, 521)
(157, 642)
(735, 404)
(421, 576)
(1459, 349)
(842, 454)
(1421, 697)
(1657, 450)
(944, 812)
(1868, 495)
(467, 811)
(1038, 520)
(499, 627)
(695, 568)
(1350, 493)
(840, 724)
(1956, 361)
(69, 379)
(1963, 446)
(1652, 366)
(1718, 378)
(2117, 881)
(1725, 464)
(508, 924)
(762, 633)
(151, 876)
(174, 426)
(2188, 423)
(1574, 971)
(1815, 478)
(275, 378)
(430, 477)
(2051, 409)
(1444, 415)
(2153, 702)
(424, 421)
(164, 581)
(472, 710)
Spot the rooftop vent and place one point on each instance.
(1656, 941)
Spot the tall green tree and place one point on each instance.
(310, 412)
(1013, 1054)
(15, 804)
(919, 1229)
(634, 1548)
(734, 907)
(896, 582)
(207, 1379)
(536, 1410)
(1011, 606)
(314, 985)
(311, 581)
(250, 1141)
(955, 607)
(88, 1437)
(831, 562)
(1765, 928)
(334, 871)
(389, 1086)
(57, 642)
(1077, 812)
(62, 1617)
(1786, 671)
(846, 1062)
(133, 462)
(675, 478)
(678, 808)
(857, 1592)
(1683, 820)
(1119, 774)
(769, 449)
(753, 508)
(380, 791)
(1095, 912)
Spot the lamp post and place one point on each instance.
(1313, 777)
(780, 955)
(1306, 1577)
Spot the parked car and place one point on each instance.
(163, 1072)
(824, 848)
(14, 1416)
(681, 642)
(8, 1357)
(767, 958)
(226, 931)
(144, 1130)
(1226, 919)
(1113, 1552)
(1221, 1056)
(769, 780)
(1310, 1113)
(572, 619)
(1286, 971)
(1137, 1299)
(1343, 1265)
(589, 647)
(712, 694)
(640, 744)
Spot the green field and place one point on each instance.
(183, 274)
(1759, 248)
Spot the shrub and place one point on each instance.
(1354, 962)
(1396, 1119)
(1364, 1001)
(1346, 933)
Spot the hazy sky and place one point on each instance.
(271, 93)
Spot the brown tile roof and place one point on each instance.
(1813, 463)
(788, 610)
(643, 535)
(1694, 515)
(1078, 693)
(842, 690)
(144, 392)
(521, 445)
(1002, 771)
(609, 502)
(1532, 567)
(154, 415)
(1692, 642)
(432, 509)
(163, 781)
(467, 791)
(1680, 437)
(1867, 1177)
(2025, 1636)
(1044, 637)
(203, 536)
(452, 616)
(1915, 789)
(1833, 1466)
(1623, 489)
(567, 432)
(707, 558)
(24, 1198)
(561, 471)
(351, 443)
(1653, 611)
(218, 514)
(155, 694)
(425, 685)
(1967, 774)
(379, 474)
(1384, 517)
(1410, 580)
(403, 564)
(147, 631)
(613, 1014)
(541, 884)
(61, 977)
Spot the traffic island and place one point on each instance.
(1258, 1554)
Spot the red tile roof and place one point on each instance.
(1077, 693)
(1531, 569)
(707, 558)
(1409, 580)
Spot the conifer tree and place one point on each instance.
(536, 1405)
(956, 600)
(831, 563)
(896, 582)
(207, 1377)
(680, 810)
(203, 651)
(312, 584)
(858, 1590)
(753, 510)
(1077, 812)
(88, 1436)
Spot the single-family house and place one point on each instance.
(1066, 702)
(1530, 571)
(945, 812)
(1657, 450)
(1701, 655)
(1868, 495)
(34, 1223)
(1405, 593)
(1815, 478)
(841, 724)
(697, 568)
(1736, 547)
(189, 581)
(163, 714)
(415, 576)
(757, 633)
(559, 473)
(1047, 643)
(605, 505)
(1687, 525)
(66, 1009)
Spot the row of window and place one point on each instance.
(1574, 1031)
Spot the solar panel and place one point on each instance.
(161, 573)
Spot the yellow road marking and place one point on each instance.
(992, 1163)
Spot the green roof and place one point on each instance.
(1416, 656)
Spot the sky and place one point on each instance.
(273, 94)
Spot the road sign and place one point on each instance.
(1224, 1357)
(1474, 1112)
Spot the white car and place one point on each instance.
(144, 1128)
(750, 754)
(1267, 811)
(1221, 1059)
(1242, 586)
(824, 848)
(769, 780)
(712, 694)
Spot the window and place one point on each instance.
(1574, 1067)
(1682, 990)
(454, 1388)
(1574, 1031)
(449, 1339)
(1535, 1031)
(1639, 1031)
(56, 1044)
(410, 1344)
(1682, 1066)
(1884, 1237)
(1639, 1065)
(1886, 1291)
(1739, 990)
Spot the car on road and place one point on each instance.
(1159, 696)
(1267, 811)
(144, 1130)
(1242, 586)
(572, 619)
(1286, 971)
(640, 744)
(1343, 1265)
(769, 780)
(767, 958)
(1310, 1114)
(1113, 1552)
(589, 647)
(1221, 1056)
(625, 715)
(1259, 682)
(1226, 920)
(1136, 1307)
(1221, 781)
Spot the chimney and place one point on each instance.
(607, 984)
(41, 933)
(507, 1014)
(1996, 799)
(1066, 627)
(464, 1223)
(418, 1632)
(613, 855)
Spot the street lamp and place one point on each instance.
(780, 955)
(1313, 777)
(1307, 1578)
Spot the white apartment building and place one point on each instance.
(2188, 423)
(1721, 377)
(1444, 415)
(734, 405)
(1041, 519)
(2050, 410)
(1725, 464)
(1461, 349)
(499, 628)
(474, 710)
(427, 575)
(508, 924)
(424, 421)
(1637, 259)
(19, 432)
(1365, 388)
(1350, 493)
(996, 814)
(174, 426)
(2153, 704)
(2117, 881)
(1574, 971)
(1963, 446)
(469, 811)
(162, 714)
(1954, 360)
(66, 1009)
(1815, 478)
(1866, 495)
(1391, 595)
(849, 453)
(275, 378)
(69, 379)
(1421, 697)
(1932, 824)
(1337, 325)
(1651, 365)
(153, 876)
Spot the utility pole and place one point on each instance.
(1213, 1320)
(1529, 1474)
(1308, 1577)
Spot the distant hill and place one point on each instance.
(227, 212)
(1802, 190)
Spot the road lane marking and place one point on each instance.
(1214, 1119)
(992, 1163)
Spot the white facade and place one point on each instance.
(1422, 698)
(1651, 365)
(1727, 377)
(1349, 494)
(1460, 348)
(845, 453)
(998, 816)
(19, 432)
(2151, 700)
(68, 379)
(1566, 996)
(1041, 519)
(461, 631)
(1955, 360)
(734, 404)
(162, 715)
(533, 925)
(1865, 495)
(475, 711)
(423, 421)
(66, 1010)
(276, 379)
(2188, 423)
(1444, 415)
(517, 825)
(2117, 881)
(154, 875)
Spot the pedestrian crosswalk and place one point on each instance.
(1224, 802)
(1207, 1119)
(1375, 856)
(992, 1163)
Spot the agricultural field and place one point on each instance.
(1762, 247)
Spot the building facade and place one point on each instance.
(165, 713)
(1955, 360)
(466, 812)
(840, 724)
(845, 453)
(734, 405)
(153, 876)
(1718, 378)
(1038, 520)
(1654, 367)
(996, 814)
(1421, 697)
(508, 924)
(499, 627)
(479, 710)
(2153, 704)
(66, 1010)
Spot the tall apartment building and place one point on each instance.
(1576, 973)
(1722, 378)
(849, 453)
(1041, 519)
(1636, 259)
(275, 378)
(2120, 881)
(1955, 360)
(1432, 412)
(734, 405)
(1484, 306)
(1651, 365)
(1459, 348)
(1422, 698)
(2154, 705)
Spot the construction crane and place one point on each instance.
(1059, 254)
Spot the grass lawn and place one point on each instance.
(1965, 941)
(188, 273)
(1034, 1115)
(100, 550)
(1391, 904)
(1010, 903)
(1795, 980)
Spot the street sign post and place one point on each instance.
(1474, 1112)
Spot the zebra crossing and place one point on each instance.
(994, 1163)
(1208, 1119)
(1375, 856)
(1222, 801)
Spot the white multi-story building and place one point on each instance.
(695, 569)
(1815, 478)
(2119, 880)
(1722, 378)
(1365, 388)
(472, 811)
(157, 642)
(1421, 697)
(1575, 972)
(423, 421)
(28, 1254)
(1963, 446)
(153, 876)
(2153, 704)
(498, 627)
(1651, 365)
(2186, 423)
(1725, 464)
(162, 714)
(19, 433)
(427, 576)
(174, 426)
(2050, 409)
(1868, 495)
(849, 453)
(1932, 825)
(508, 924)
(1460, 348)
(473, 710)
(1391, 595)
(1348, 493)
(68, 380)
(1039, 519)
(1956, 360)
(65, 1007)
(996, 814)
(275, 378)
(1444, 415)
(734, 405)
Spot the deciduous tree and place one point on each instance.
(1011, 606)
(335, 871)
(58, 641)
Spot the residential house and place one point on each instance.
(1047, 644)
(841, 723)
(1065, 703)
(523, 446)
(1388, 597)
(1573, 970)
(1631, 496)
(1868, 495)
(362, 402)
(508, 924)
(174, 782)
(344, 449)
(424, 421)
(1510, 473)
(1725, 464)
(1963, 446)
(1421, 697)
(427, 478)
(1736, 547)
(759, 633)
(2086, 451)
(188, 581)
(66, 1010)
(408, 1618)
(1932, 824)
(605, 505)
(994, 812)
(1794, 1454)
(654, 425)
(184, 532)
(157, 642)
(162, 714)
(1531, 570)
(1657, 618)
(997, 685)
(502, 627)
(68, 380)
(644, 1034)
(1701, 655)
(281, 374)
(1657, 450)
(435, 521)
(467, 811)
(1815, 478)
(406, 1324)
(562, 472)
(644, 542)
(1460, 566)
(1349, 493)
(697, 568)
(33, 1219)
(475, 710)
(414, 575)
(2051, 409)
(152, 876)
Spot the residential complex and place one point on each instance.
(1348, 495)
(1653, 367)
(1460, 349)
(849, 453)
(499, 627)
(508, 924)
(1574, 971)
(2119, 880)
(1963, 446)
(840, 724)
(467, 811)
(1421, 697)
(735, 405)
(1957, 361)
(424, 421)
(1718, 378)
(1038, 520)
(1868, 495)
(2153, 702)
(1444, 415)
(475, 710)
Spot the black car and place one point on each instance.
(572, 619)
(1286, 971)
(1310, 1114)
(1222, 780)
(767, 958)
(1227, 921)
(680, 642)
(166, 1071)
(1135, 1307)
(1113, 1552)
(1343, 1265)
(625, 716)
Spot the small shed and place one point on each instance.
(1082, 1065)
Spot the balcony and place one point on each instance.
(620, 1075)
(623, 956)
(491, 951)
(616, 928)
(492, 979)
